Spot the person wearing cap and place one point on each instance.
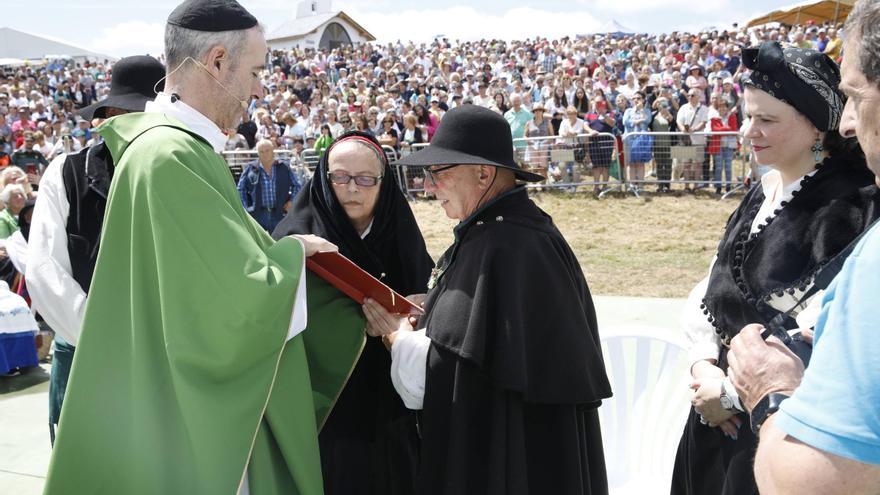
(801, 215)
(29, 158)
(508, 394)
(191, 374)
(825, 438)
(483, 98)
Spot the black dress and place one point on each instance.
(369, 444)
(758, 276)
(515, 373)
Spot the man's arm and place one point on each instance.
(784, 465)
(243, 188)
(54, 292)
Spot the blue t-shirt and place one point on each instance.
(837, 406)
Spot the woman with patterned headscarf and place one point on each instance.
(817, 198)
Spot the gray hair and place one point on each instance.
(863, 27)
(8, 190)
(181, 43)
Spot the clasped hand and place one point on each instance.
(707, 399)
(381, 323)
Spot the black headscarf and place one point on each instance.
(805, 79)
(394, 250)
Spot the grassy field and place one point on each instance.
(651, 247)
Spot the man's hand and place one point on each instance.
(758, 368)
(287, 205)
(314, 244)
(380, 322)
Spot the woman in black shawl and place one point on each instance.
(369, 444)
(816, 200)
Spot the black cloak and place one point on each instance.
(758, 276)
(369, 444)
(515, 371)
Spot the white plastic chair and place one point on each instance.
(643, 422)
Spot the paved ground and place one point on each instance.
(24, 434)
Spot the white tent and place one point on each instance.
(20, 45)
(615, 27)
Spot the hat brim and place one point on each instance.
(435, 155)
(130, 102)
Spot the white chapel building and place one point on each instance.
(316, 25)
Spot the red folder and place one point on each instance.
(357, 284)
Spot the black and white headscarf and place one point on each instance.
(803, 78)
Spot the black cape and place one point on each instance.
(515, 370)
(369, 444)
(753, 277)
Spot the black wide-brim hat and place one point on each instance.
(132, 85)
(471, 135)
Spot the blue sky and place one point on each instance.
(127, 27)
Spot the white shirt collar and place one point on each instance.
(368, 229)
(192, 118)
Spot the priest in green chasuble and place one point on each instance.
(208, 358)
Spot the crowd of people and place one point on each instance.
(399, 92)
(222, 382)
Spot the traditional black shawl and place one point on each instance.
(369, 421)
(779, 262)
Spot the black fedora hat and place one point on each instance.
(471, 135)
(132, 85)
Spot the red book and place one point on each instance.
(357, 284)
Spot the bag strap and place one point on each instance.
(821, 281)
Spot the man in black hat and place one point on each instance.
(67, 221)
(191, 375)
(506, 364)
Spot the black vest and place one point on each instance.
(87, 176)
(757, 276)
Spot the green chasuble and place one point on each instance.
(184, 376)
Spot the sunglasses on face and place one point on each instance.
(432, 176)
(346, 121)
(342, 179)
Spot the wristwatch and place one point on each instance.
(765, 408)
(726, 400)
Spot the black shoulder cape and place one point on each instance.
(757, 276)
(515, 371)
(369, 443)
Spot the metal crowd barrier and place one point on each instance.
(668, 159)
(303, 167)
(568, 162)
(411, 179)
(239, 159)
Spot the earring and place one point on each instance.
(817, 150)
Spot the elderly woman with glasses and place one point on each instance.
(368, 444)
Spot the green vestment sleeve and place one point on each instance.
(184, 359)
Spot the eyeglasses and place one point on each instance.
(346, 121)
(342, 178)
(431, 175)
